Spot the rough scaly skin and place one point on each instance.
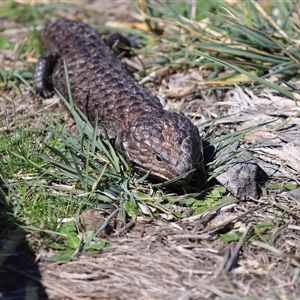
(153, 139)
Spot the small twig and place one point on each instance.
(293, 227)
(205, 217)
(285, 209)
(266, 247)
(234, 257)
(217, 227)
(193, 9)
(127, 226)
(222, 265)
(190, 236)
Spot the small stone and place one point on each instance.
(240, 177)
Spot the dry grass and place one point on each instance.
(178, 259)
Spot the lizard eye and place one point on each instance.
(158, 158)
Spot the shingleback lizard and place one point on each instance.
(153, 139)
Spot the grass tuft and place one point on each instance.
(240, 39)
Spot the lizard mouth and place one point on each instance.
(164, 177)
(153, 174)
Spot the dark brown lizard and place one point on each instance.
(153, 139)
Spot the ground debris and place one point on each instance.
(181, 259)
(240, 177)
(157, 266)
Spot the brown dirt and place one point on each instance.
(177, 259)
(166, 260)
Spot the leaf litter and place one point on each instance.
(186, 258)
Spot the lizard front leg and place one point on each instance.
(43, 70)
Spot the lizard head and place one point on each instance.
(168, 145)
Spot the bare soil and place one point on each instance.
(177, 259)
